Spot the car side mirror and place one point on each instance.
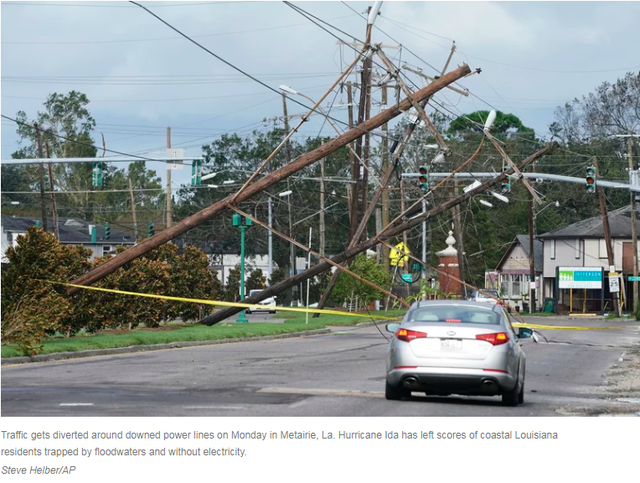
(393, 327)
(525, 333)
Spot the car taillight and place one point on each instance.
(409, 335)
(494, 339)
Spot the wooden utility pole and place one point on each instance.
(322, 198)
(169, 218)
(267, 181)
(43, 203)
(532, 265)
(355, 170)
(385, 192)
(634, 232)
(366, 89)
(133, 210)
(607, 235)
(54, 208)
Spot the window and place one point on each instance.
(552, 250)
(602, 248)
(106, 249)
(453, 314)
(516, 285)
(576, 249)
(505, 285)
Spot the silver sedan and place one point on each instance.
(456, 347)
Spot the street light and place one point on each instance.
(292, 248)
(237, 221)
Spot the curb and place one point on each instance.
(58, 356)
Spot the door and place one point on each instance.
(627, 257)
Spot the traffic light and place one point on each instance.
(591, 180)
(97, 173)
(424, 178)
(196, 172)
(506, 182)
(107, 231)
(150, 230)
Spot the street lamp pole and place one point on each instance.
(241, 223)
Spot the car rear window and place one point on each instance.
(452, 314)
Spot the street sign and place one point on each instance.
(614, 282)
(398, 259)
(178, 154)
(634, 279)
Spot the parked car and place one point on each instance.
(477, 296)
(263, 305)
(445, 347)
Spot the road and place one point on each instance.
(337, 374)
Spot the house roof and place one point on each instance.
(71, 230)
(619, 226)
(523, 240)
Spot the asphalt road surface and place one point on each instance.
(338, 374)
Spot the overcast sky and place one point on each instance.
(141, 76)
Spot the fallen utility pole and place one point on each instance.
(387, 233)
(267, 181)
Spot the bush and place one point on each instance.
(31, 306)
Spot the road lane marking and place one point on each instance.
(320, 392)
(76, 404)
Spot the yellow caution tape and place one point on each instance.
(225, 304)
(566, 327)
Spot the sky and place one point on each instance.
(141, 76)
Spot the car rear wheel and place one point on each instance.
(395, 393)
(511, 398)
(521, 394)
(247, 311)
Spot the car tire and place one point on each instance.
(511, 398)
(247, 312)
(521, 394)
(394, 393)
(272, 311)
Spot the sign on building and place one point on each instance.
(580, 277)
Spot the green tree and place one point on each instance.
(348, 288)
(255, 280)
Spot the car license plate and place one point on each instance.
(450, 344)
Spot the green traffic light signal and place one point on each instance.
(424, 178)
(107, 231)
(150, 230)
(590, 179)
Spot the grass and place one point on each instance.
(294, 322)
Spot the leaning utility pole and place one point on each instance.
(267, 181)
(43, 203)
(607, 236)
(169, 218)
(54, 208)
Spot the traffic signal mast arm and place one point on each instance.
(282, 173)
